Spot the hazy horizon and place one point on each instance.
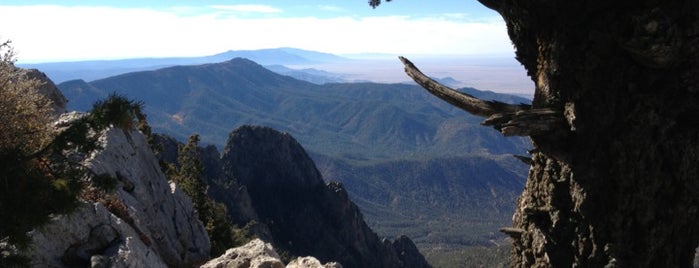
(498, 73)
(64, 30)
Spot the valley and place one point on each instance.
(414, 165)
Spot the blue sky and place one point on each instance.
(44, 30)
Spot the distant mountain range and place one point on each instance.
(361, 121)
(97, 69)
(413, 164)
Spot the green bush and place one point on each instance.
(37, 177)
(116, 110)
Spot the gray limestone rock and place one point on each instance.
(159, 227)
(159, 208)
(258, 254)
(74, 239)
(254, 254)
(311, 262)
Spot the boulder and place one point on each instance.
(311, 262)
(254, 254)
(258, 254)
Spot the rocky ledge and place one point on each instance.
(258, 254)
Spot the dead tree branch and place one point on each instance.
(510, 119)
(462, 100)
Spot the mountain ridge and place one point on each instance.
(212, 98)
(97, 69)
(363, 128)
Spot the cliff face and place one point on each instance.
(305, 215)
(149, 222)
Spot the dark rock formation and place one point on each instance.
(407, 251)
(221, 188)
(305, 215)
(227, 190)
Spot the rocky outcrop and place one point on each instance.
(150, 222)
(407, 251)
(310, 262)
(255, 254)
(258, 254)
(92, 232)
(227, 190)
(221, 188)
(49, 89)
(305, 215)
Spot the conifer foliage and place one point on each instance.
(38, 176)
(188, 175)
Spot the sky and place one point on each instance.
(69, 30)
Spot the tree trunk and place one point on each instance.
(618, 186)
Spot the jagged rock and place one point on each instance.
(165, 214)
(49, 89)
(254, 254)
(287, 166)
(227, 190)
(221, 188)
(101, 237)
(168, 147)
(158, 226)
(304, 215)
(311, 262)
(72, 240)
(408, 253)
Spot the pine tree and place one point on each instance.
(188, 175)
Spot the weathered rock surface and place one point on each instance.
(258, 254)
(159, 229)
(92, 231)
(254, 254)
(310, 262)
(305, 215)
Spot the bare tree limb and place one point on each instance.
(462, 100)
(510, 119)
(526, 122)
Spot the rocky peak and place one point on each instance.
(304, 215)
(268, 160)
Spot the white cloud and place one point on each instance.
(51, 33)
(330, 8)
(248, 8)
